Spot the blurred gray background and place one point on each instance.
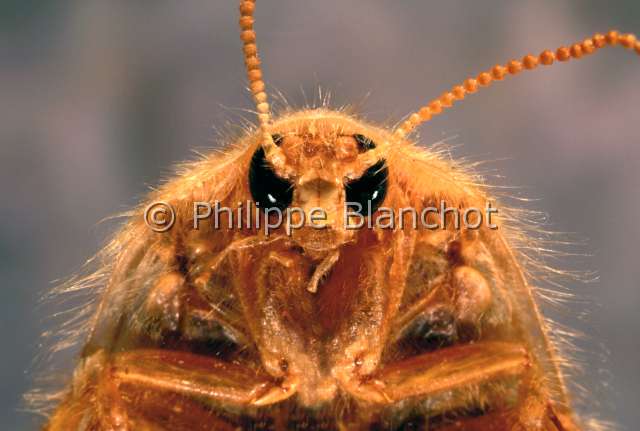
(98, 99)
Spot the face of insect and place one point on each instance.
(328, 163)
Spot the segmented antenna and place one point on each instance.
(513, 67)
(254, 74)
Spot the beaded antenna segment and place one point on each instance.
(514, 67)
(254, 75)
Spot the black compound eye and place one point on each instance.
(369, 190)
(267, 189)
(364, 143)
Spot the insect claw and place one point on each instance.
(278, 393)
(374, 391)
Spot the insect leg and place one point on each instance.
(133, 389)
(381, 300)
(471, 365)
(444, 370)
(190, 375)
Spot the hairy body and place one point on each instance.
(218, 328)
(228, 327)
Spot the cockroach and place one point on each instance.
(203, 324)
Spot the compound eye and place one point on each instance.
(267, 189)
(369, 190)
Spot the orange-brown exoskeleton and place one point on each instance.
(218, 324)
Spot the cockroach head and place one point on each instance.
(326, 162)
